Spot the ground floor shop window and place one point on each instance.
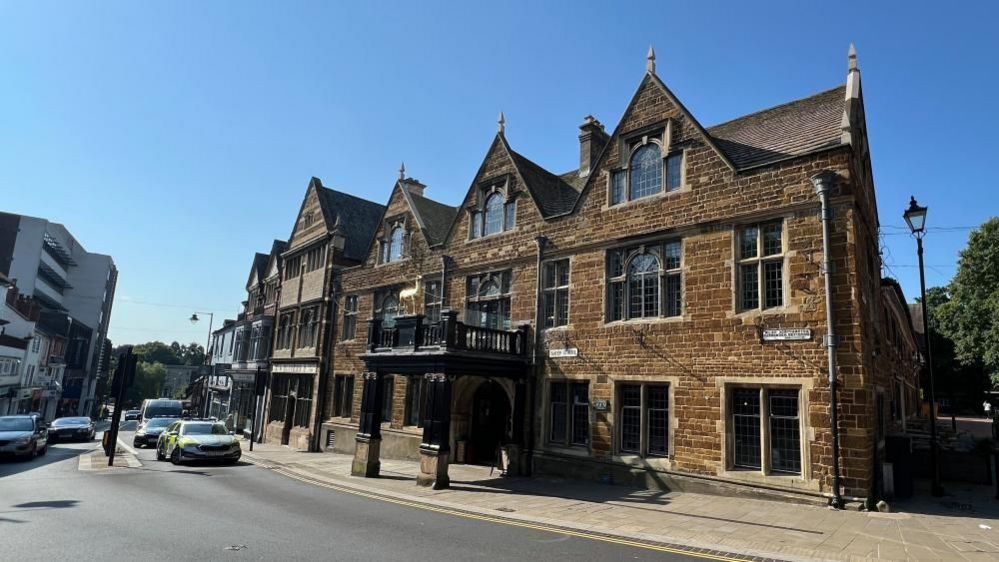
(291, 399)
(569, 414)
(343, 395)
(766, 421)
(644, 419)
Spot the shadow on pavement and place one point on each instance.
(10, 466)
(36, 506)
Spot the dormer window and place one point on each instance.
(650, 171)
(497, 214)
(393, 247)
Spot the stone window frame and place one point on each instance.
(286, 324)
(738, 262)
(554, 290)
(628, 253)
(350, 314)
(661, 134)
(476, 211)
(805, 479)
(567, 444)
(499, 278)
(643, 451)
(389, 226)
(308, 327)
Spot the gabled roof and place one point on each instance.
(792, 129)
(436, 218)
(357, 217)
(259, 269)
(553, 195)
(277, 248)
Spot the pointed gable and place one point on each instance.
(273, 266)
(258, 271)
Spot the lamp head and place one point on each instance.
(915, 217)
(194, 318)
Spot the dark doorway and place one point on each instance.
(490, 423)
(289, 420)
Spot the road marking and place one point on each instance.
(127, 448)
(513, 523)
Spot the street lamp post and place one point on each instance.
(915, 217)
(204, 381)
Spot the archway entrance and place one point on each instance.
(490, 423)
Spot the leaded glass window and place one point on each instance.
(746, 427)
(644, 419)
(387, 306)
(432, 301)
(785, 431)
(645, 282)
(493, 223)
(761, 266)
(569, 413)
(396, 244)
(645, 173)
(643, 286)
(556, 293)
(488, 300)
(674, 171)
(617, 186)
(631, 418)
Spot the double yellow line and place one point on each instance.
(511, 522)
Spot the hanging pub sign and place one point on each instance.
(786, 334)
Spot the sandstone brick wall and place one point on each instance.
(712, 346)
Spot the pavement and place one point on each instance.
(964, 525)
(68, 505)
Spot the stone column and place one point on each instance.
(369, 434)
(435, 450)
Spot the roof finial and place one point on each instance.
(402, 171)
(852, 58)
(501, 124)
(650, 63)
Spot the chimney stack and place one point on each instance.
(413, 186)
(592, 139)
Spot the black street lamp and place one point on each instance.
(915, 217)
(194, 320)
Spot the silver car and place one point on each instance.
(23, 436)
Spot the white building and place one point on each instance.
(17, 325)
(45, 261)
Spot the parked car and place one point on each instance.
(131, 415)
(197, 440)
(79, 428)
(23, 436)
(148, 432)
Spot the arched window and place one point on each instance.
(395, 244)
(645, 172)
(494, 214)
(643, 286)
(389, 310)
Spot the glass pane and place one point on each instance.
(395, 247)
(494, 214)
(476, 227)
(562, 268)
(749, 289)
(511, 210)
(549, 275)
(785, 431)
(559, 410)
(671, 251)
(580, 414)
(616, 301)
(773, 284)
(473, 287)
(674, 171)
(773, 243)
(674, 295)
(549, 309)
(505, 282)
(617, 187)
(746, 427)
(562, 307)
(616, 258)
(658, 420)
(646, 171)
(748, 242)
(631, 418)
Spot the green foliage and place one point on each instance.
(150, 372)
(149, 379)
(970, 316)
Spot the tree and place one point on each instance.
(149, 379)
(970, 317)
(955, 379)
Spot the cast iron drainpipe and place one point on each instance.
(824, 183)
(538, 369)
(327, 358)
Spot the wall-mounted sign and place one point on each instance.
(601, 405)
(564, 352)
(787, 334)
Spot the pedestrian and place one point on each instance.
(229, 424)
(988, 408)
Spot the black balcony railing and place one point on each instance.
(414, 333)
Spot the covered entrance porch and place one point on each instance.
(474, 383)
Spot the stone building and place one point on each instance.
(319, 245)
(655, 317)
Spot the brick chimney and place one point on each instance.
(413, 186)
(592, 139)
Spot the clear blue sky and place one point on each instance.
(180, 137)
